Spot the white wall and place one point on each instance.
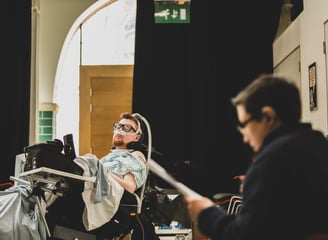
(56, 18)
(307, 34)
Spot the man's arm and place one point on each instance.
(127, 182)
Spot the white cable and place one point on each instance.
(144, 120)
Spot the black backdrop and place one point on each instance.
(184, 77)
(15, 71)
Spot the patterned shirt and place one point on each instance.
(123, 161)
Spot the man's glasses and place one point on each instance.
(124, 127)
(242, 125)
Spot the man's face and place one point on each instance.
(124, 133)
(253, 130)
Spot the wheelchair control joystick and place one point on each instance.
(69, 148)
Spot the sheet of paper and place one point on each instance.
(161, 172)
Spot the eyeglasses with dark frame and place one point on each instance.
(124, 127)
(242, 125)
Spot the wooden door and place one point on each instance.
(105, 92)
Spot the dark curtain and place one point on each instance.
(15, 97)
(185, 75)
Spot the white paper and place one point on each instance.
(161, 172)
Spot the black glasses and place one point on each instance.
(242, 125)
(124, 127)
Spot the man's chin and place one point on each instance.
(117, 143)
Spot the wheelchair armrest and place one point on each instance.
(131, 200)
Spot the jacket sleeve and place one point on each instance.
(212, 221)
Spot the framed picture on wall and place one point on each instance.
(313, 86)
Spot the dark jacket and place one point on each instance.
(285, 193)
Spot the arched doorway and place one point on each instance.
(102, 35)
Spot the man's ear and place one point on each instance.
(137, 137)
(268, 113)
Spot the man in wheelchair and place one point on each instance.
(94, 207)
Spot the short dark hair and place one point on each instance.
(269, 90)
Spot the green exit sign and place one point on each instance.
(172, 11)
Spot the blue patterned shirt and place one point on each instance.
(122, 161)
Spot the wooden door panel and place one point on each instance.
(116, 82)
(101, 145)
(105, 92)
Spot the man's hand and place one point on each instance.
(196, 205)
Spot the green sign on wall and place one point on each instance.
(172, 11)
